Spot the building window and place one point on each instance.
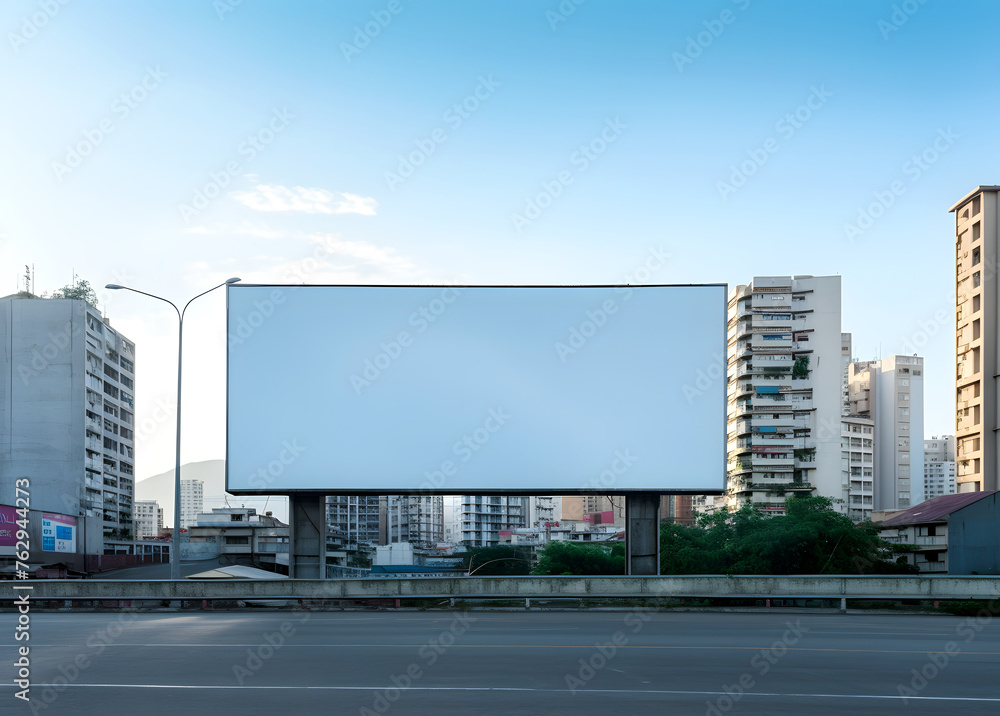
(237, 540)
(975, 280)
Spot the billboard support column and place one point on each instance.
(642, 534)
(307, 542)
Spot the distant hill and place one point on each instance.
(213, 474)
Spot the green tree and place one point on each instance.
(577, 558)
(82, 290)
(500, 561)
(811, 538)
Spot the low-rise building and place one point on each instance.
(952, 534)
(241, 535)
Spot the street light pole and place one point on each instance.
(175, 542)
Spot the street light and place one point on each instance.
(175, 546)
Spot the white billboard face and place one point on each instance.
(473, 390)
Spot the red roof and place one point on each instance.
(935, 510)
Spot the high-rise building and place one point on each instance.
(891, 393)
(857, 465)
(417, 519)
(192, 502)
(977, 339)
(485, 516)
(784, 391)
(67, 410)
(354, 519)
(939, 466)
(148, 519)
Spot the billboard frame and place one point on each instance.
(521, 492)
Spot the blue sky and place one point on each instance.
(567, 144)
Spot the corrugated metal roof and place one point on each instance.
(935, 510)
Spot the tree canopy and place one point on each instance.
(581, 558)
(82, 290)
(811, 538)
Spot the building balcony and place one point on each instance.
(760, 461)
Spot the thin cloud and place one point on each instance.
(273, 197)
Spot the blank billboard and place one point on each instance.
(476, 389)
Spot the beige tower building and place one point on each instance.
(977, 338)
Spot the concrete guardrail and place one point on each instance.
(770, 587)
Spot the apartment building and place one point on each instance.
(891, 393)
(544, 508)
(485, 516)
(939, 466)
(353, 520)
(192, 501)
(417, 519)
(785, 383)
(67, 414)
(857, 465)
(976, 340)
(148, 519)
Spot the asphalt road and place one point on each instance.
(618, 663)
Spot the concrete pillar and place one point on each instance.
(307, 548)
(642, 533)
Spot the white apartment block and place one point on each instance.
(67, 409)
(192, 502)
(544, 508)
(857, 465)
(891, 393)
(976, 339)
(484, 516)
(784, 392)
(148, 519)
(939, 466)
